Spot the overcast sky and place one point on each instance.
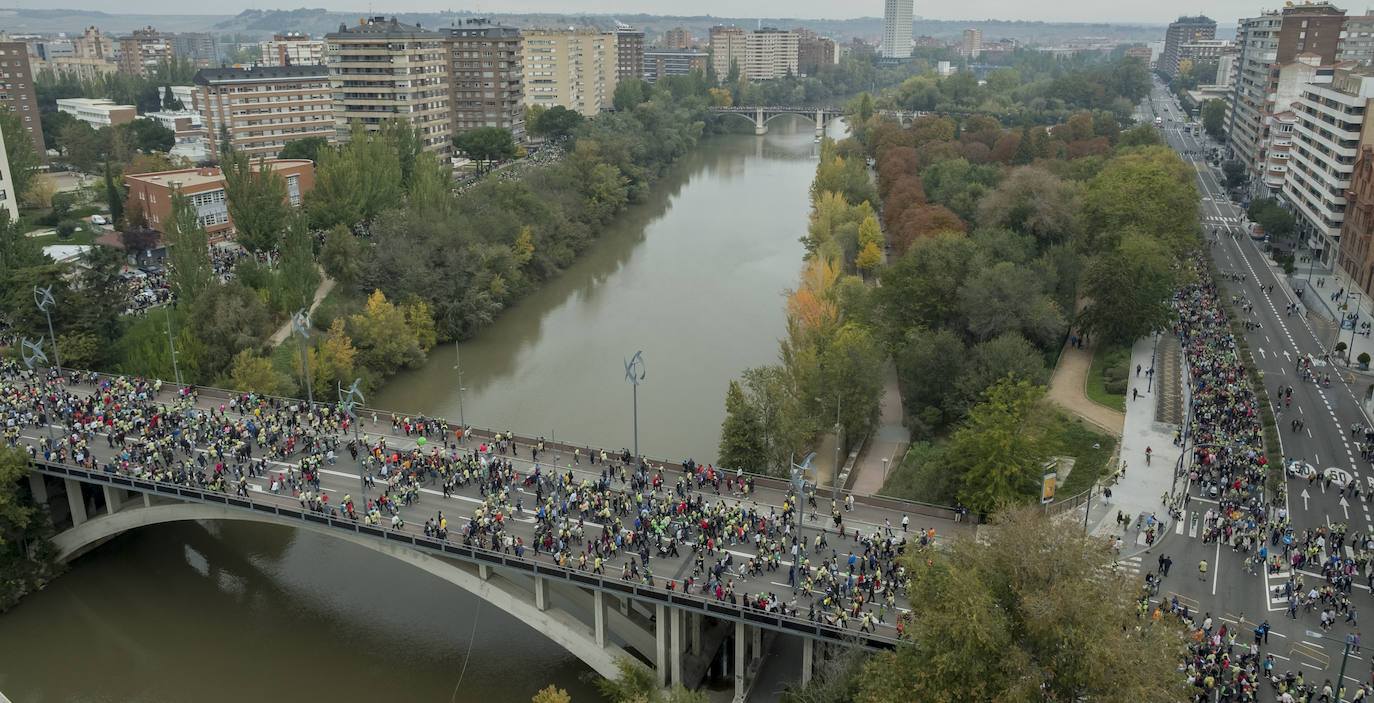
(1160, 12)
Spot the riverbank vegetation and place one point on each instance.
(28, 559)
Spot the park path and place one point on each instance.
(1067, 390)
(887, 445)
(326, 285)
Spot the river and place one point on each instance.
(233, 612)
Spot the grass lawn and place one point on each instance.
(80, 236)
(1069, 436)
(1107, 362)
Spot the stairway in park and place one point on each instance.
(1168, 382)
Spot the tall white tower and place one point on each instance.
(897, 28)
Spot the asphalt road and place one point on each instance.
(1324, 441)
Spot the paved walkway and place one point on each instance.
(326, 285)
(888, 444)
(1067, 389)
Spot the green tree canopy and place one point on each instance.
(257, 200)
(486, 144)
(1128, 288)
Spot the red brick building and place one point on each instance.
(205, 188)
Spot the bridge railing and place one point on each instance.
(566, 448)
(482, 556)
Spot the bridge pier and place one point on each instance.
(808, 659)
(760, 127)
(820, 122)
(599, 615)
(38, 487)
(541, 592)
(740, 688)
(112, 499)
(75, 501)
(661, 643)
(679, 622)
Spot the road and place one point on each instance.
(342, 478)
(1324, 440)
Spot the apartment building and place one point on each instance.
(681, 62)
(383, 69)
(17, 92)
(1281, 118)
(1327, 141)
(972, 45)
(200, 48)
(814, 51)
(1356, 249)
(97, 112)
(144, 50)
(677, 38)
(264, 108)
(1266, 44)
(205, 188)
(1182, 31)
(575, 68)
(897, 29)
(9, 200)
(292, 49)
(487, 77)
(93, 45)
(761, 54)
(629, 52)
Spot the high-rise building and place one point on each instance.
(380, 69)
(763, 54)
(629, 52)
(143, 50)
(575, 68)
(1331, 128)
(814, 51)
(93, 45)
(487, 83)
(897, 28)
(1357, 41)
(1266, 44)
(677, 38)
(263, 108)
(679, 62)
(16, 90)
(291, 49)
(9, 200)
(972, 45)
(199, 48)
(1180, 32)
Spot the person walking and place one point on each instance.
(1202, 570)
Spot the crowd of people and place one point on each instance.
(615, 514)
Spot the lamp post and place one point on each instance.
(347, 401)
(34, 357)
(634, 373)
(1340, 678)
(300, 323)
(172, 347)
(44, 300)
(835, 495)
(1354, 323)
(458, 366)
(799, 476)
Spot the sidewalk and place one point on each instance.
(1138, 492)
(888, 444)
(1067, 389)
(1319, 285)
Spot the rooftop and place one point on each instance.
(193, 177)
(381, 27)
(258, 74)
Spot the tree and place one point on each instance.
(551, 694)
(1033, 201)
(851, 366)
(1002, 618)
(1234, 171)
(1271, 217)
(1025, 152)
(630, 92)
(342, 255)
(19, 148)
(257, 200)
(635, 684)
(229, 318)
(308, 148)
(297, 276)
(148, 135)
(926, 362)
(188, 255)
(41, 191)
(384, 341)
(170, 101)
(869, 258)
(996, 450)
(336, 198)
(557, 122)
(1129, 287)
(113, 197)
(1213, 117)
(486, 144)
(251, 373)
(742, 444)
(15, 511)
(1149, 191)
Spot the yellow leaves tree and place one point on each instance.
(870, 232)
(334, 361)
(813, 303)
(720, 97)
(523, 248)
(250, 372)
(384, 340)
(420, 320)
(869, 258)
(551, 694)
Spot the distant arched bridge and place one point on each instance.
(822, 116)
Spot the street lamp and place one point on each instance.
(33, 357)
(799, 476)
(347, 401)
(634, 372)
(458, 366)
(171, 346)
(44, 300)
(835, 494)
(1340, 678)
(300, 323)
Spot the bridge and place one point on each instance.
(822, 117)
(599, 617)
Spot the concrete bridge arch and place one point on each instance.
(530, 606)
